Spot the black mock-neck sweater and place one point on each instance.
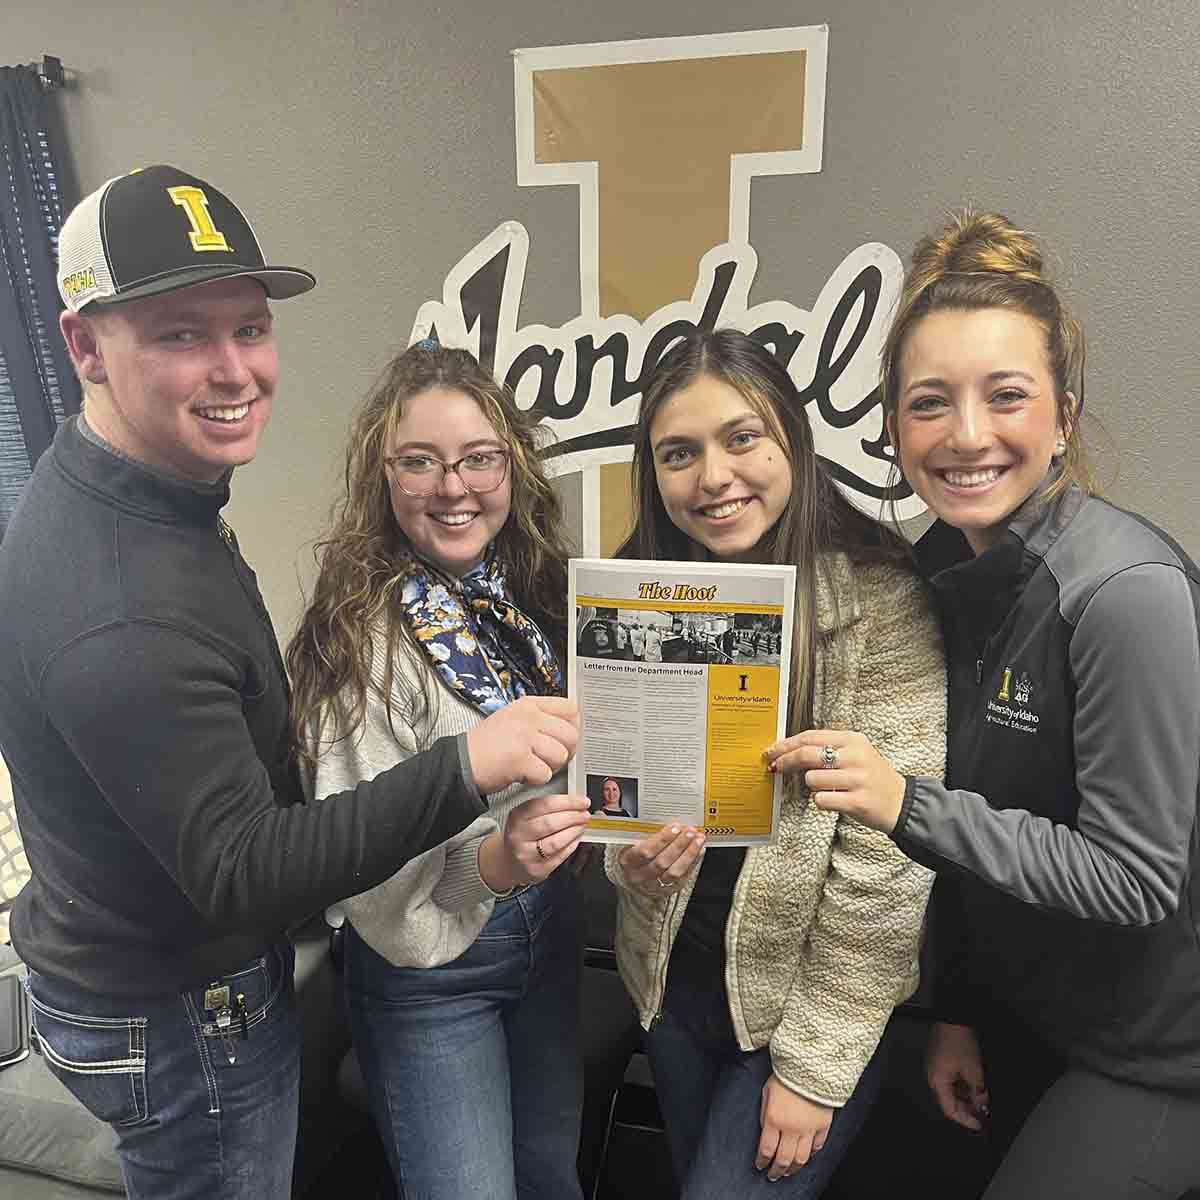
(144, 721)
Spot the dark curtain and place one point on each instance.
(38, 388)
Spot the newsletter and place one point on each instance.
(681, 672)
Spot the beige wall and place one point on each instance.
(373, 141)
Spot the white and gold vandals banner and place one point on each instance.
(662, 138)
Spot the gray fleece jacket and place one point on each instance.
(1066, 838)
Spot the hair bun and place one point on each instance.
(980, 261)
(975, 243)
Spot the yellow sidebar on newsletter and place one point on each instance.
(739, 791)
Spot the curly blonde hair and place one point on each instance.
(365, 558)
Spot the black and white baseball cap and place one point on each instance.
(155, 230)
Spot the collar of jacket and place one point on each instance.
(133, 486)
(946, 560)
(838, 601)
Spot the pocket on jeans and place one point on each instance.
(100, 1060)
(252, 994)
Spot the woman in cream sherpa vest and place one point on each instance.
(765, 977)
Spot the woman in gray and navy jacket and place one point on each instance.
(1068, 972)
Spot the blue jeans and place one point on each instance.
(709, 1092)
(473, 1068)
(199, 1111)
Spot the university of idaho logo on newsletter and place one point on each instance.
(1012, 704)
(661, 139)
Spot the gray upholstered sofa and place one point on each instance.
(51, 1148)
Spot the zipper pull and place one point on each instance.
(978, 671)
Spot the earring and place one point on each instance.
(1060, 448)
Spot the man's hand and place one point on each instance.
(794, 1128)
(954, 1070)
(525, 742)
(539, 834)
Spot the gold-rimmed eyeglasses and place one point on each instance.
(419, 475)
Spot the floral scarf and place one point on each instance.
(482, 646)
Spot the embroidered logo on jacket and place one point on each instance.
(1021, 718)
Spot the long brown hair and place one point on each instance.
(818, 519)
(982, 260)
(365, 559)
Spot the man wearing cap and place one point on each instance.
(144, 706)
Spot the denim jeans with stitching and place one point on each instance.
(199, 1110)
(473, 1068)
(709, 1092)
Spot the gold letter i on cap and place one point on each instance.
(204, 235)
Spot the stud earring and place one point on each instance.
(1060, 448)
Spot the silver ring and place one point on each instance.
(662, 883)
(829, 758)
(541, 853)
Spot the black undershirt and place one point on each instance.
(699, 950)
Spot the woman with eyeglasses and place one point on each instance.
(441, 599)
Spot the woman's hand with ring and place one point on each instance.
(538, 836)
(661, 861)
(844, 773)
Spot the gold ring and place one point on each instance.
(541, 853)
